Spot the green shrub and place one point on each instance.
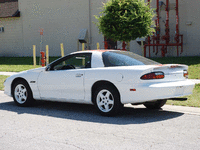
(125, 20)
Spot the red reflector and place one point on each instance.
(185, 74)
(132, 89)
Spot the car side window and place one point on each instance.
(76, 61)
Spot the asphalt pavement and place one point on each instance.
(59, 126)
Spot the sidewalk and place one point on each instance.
(196, 81)
(7, 73)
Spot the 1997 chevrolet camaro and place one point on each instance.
(106, 78)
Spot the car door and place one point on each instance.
(63, 80)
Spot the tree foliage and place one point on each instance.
(125, 20)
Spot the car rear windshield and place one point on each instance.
(124, 58)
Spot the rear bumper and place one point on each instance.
(156, 91)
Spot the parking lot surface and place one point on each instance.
(57, 126)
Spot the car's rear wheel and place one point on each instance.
(155, 105)
(22, 93)
(107, 100)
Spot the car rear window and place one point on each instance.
(124, 58)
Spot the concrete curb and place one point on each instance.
(8, 73)
(173, 108)
(182, 109)
(196, 81)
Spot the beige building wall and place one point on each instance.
(11, 40)
(62, 21)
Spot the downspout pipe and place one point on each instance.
(167, 25)
(149, 40)
(177, 27)
(90, 30)
(166, 37)
(157, 27)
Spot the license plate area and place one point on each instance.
(179, 90)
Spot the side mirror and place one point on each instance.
(47, 68)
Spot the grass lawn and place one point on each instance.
(17, 64)
(2, 79)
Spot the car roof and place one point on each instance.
(94, 51)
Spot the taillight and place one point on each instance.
(185, 73)
(153, 75)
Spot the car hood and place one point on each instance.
(37, 70)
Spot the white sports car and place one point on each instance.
(106, 78)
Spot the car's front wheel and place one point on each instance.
(107, 100)
(155, 105)
(22, 93)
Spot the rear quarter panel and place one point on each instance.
(124, 78)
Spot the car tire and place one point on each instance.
(155, 105)
(22, 93)
(107, 100)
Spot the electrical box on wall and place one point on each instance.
(83, 36)
(1, 29)
(140, 40)
(189, 23)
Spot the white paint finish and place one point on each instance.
(119, 77)
(97, 60)
(148, 92)
(63, 84)
(30, 75)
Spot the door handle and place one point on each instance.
(79, 75)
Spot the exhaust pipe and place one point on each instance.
(178, 99)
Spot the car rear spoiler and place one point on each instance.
(171, 66)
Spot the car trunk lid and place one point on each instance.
(172, 72)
